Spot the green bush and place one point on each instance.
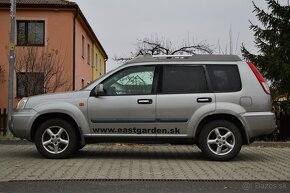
(285, 106)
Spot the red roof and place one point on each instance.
(22, 3)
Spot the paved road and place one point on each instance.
(22, 162)
(144, 187)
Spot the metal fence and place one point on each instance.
(3, 121)
(283, 125)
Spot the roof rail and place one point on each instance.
(182, 58)
(171, 56)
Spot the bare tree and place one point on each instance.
(232, 47)
(39, 70)
(157, 46)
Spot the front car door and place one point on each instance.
(183, 92)
(128, 106)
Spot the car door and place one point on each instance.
(184, 91)
(128, 106)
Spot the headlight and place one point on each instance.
(21, 103)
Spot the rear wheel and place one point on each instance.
(56, 138)
(220, 140)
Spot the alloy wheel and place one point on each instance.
(221, 141)
(55, 139)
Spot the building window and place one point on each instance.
(83, 83)
(83, 46)
(29, 83)
(89, 54)
(100, 67)
(96, 62)
(92, 56)
(30, 33)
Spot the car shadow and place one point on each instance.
(195, 154)
(135, 153)
(149, 155)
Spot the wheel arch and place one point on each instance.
(228, 117)
(40, 119)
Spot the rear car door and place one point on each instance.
(184, 90)
(127, 108)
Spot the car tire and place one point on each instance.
(80, 146)
(56, 139)
(220, 140)
(197, 144)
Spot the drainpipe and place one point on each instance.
(74, 47)
(105, 66)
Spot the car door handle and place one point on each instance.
(204, 100)
(144, 101)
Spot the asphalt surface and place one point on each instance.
(145, 186)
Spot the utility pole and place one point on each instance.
(11, 65)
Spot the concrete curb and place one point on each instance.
(271, 144)
(15, 142)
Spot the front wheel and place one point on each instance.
(56, 139)
(80, 146)
(220, 140)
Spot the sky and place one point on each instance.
(118, 24)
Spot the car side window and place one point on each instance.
(224, 78)
(183, 80)
(130, 81)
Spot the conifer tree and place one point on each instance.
(272, 39)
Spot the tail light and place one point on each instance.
(260, 78)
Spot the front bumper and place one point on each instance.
(259, 123)
(22, 122)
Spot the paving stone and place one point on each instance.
(107, 161)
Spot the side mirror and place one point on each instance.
(99, 90)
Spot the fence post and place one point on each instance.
(3, 121)
(1, 128)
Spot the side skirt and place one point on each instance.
(173, 141)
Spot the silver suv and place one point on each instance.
(217, 102)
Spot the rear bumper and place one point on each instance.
(259, 123)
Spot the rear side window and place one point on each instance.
(183, 80)
(224, 78)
